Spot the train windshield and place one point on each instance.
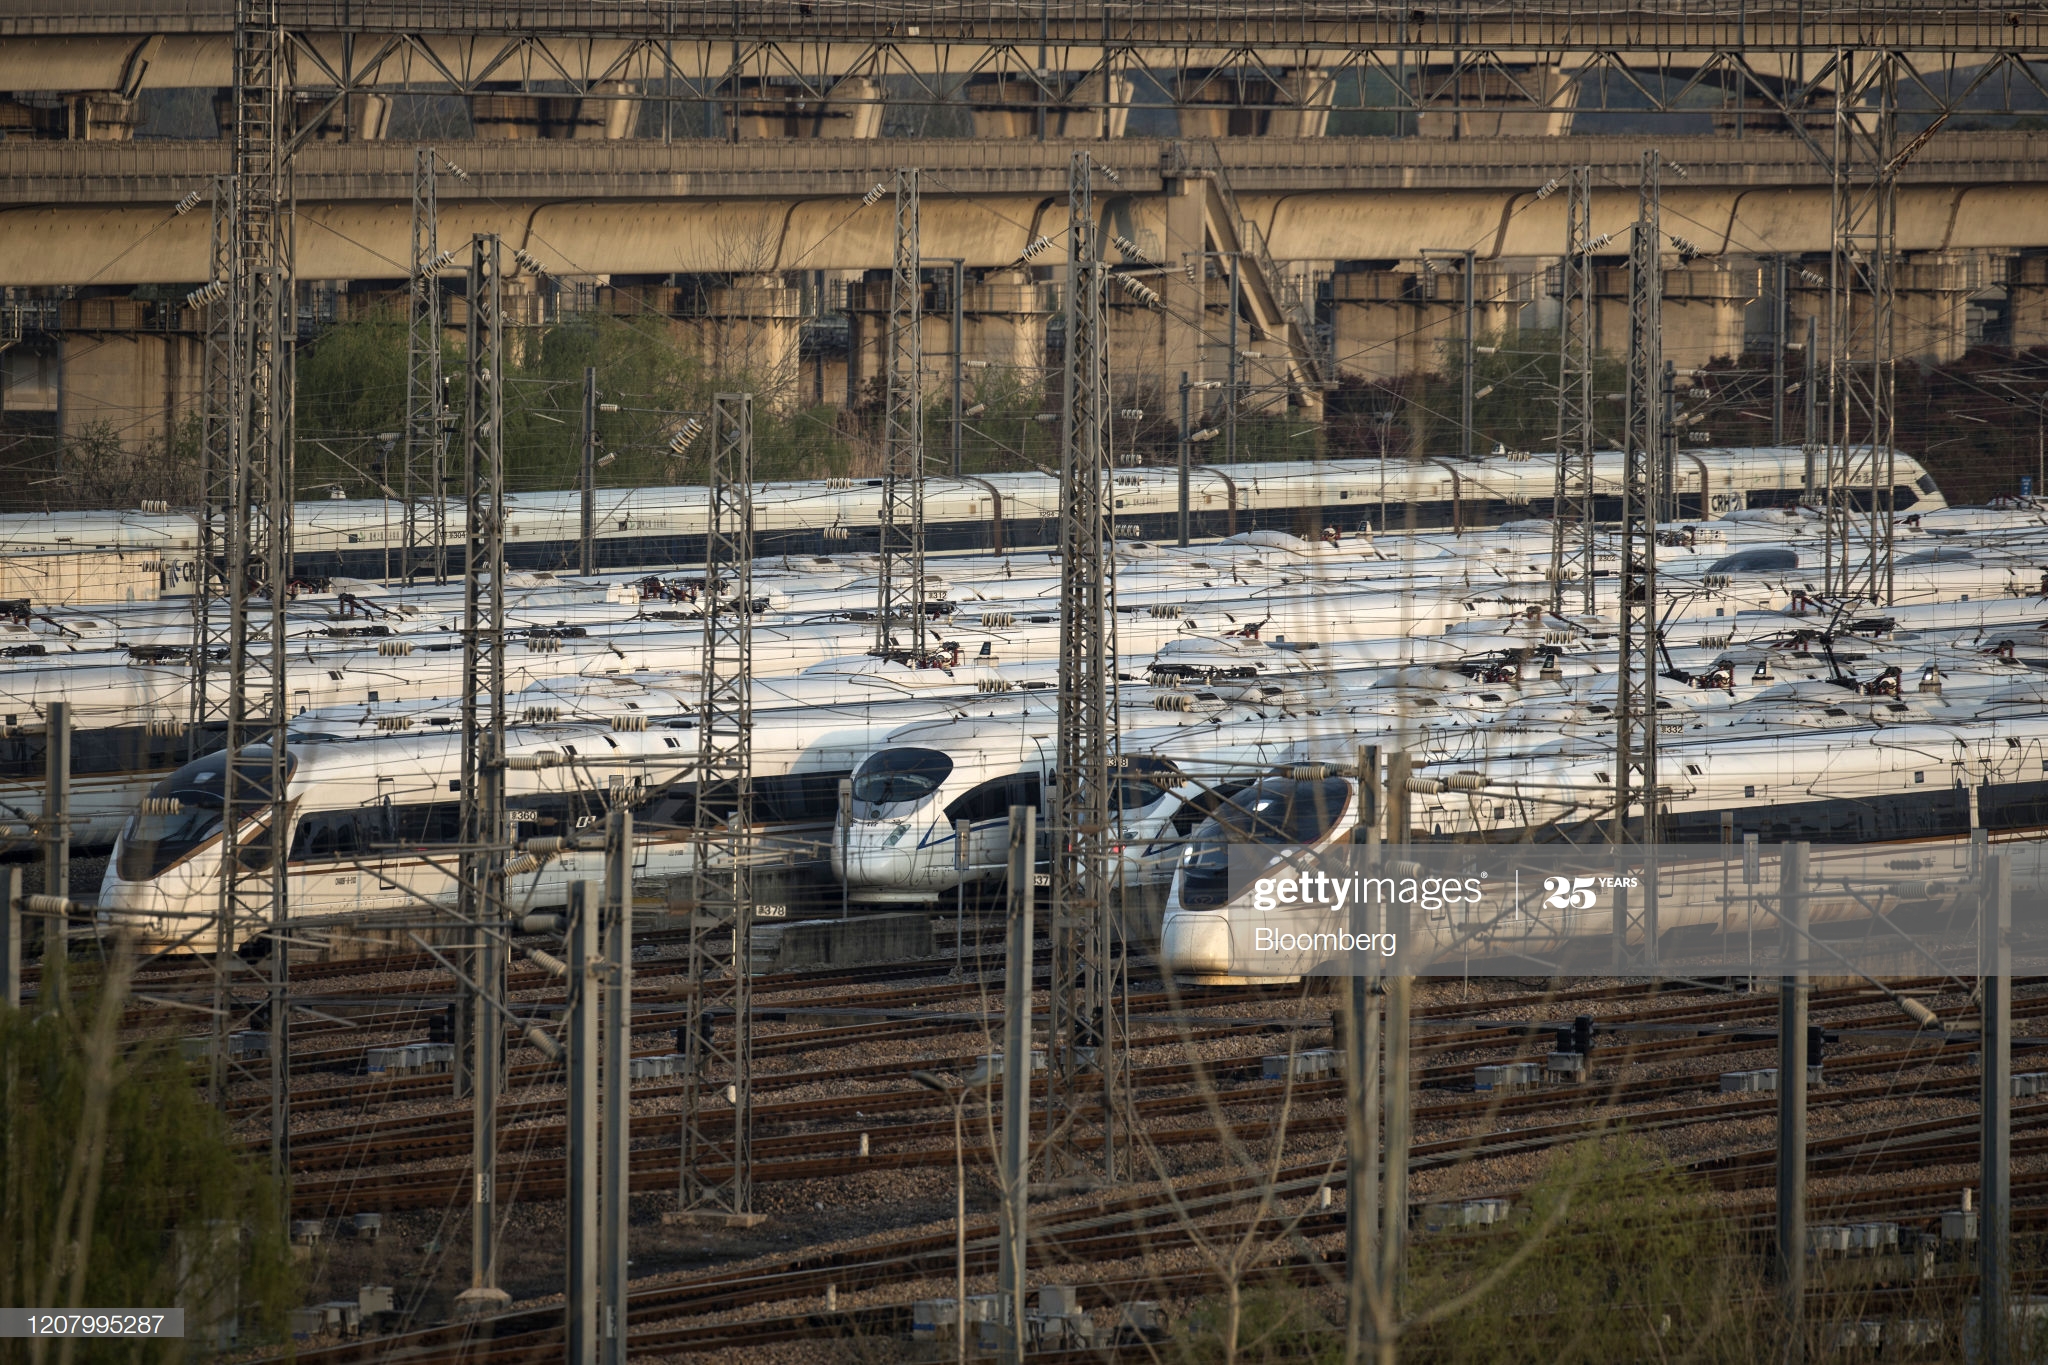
(1142, 781)
(894, 776)
(183, 811)
(1274, 810)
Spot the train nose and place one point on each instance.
(145, 910)
(880, 856)
(1195, 943)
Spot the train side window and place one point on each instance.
(329, 835)
(427, 822)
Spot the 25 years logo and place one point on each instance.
(1569, 893)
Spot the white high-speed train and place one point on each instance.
(372, 797)
(665, 526)
(374, 825)
(1914, 786)
(900, 845)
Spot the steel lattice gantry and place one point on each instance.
(1643, 481)
(425, 488)
(245, 527)
(209, 700)
(1572, 526)
(901, 576)
(717, 1174)
(1857, 492)
(1085, 962)
(485, 836)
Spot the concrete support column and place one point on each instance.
(139, 385)
(748, 328)
(1004, 318)
(1705, 305)
(771, 109)
(1311, 91)
(1491, 101)
(1180, 292)
(520, 117)
(1095, 106)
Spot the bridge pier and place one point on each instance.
(1222, 104)
(1003, 322)
(1394, 321)
(514, 116)
(1490, 101)
(1008, 106)
(769, 110)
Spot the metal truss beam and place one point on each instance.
(901, 602)
(1572, 532)
(1084, 1070)
(1765, 75)
(717, 1169)
(485, 836)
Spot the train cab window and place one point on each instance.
(893, 776)
(1136, 793)
(992, 800)
(185, 812)
(1279, 810)
(1273, 810)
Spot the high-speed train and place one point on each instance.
(995, 512)
(375, 825)
(1911, 787)
(372, 794)
(910, 794)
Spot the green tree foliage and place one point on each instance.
(121, 1188)
(1612, 1255)
(1632, 1262)
(1419, 414)
(103, 470)
(352, 387)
